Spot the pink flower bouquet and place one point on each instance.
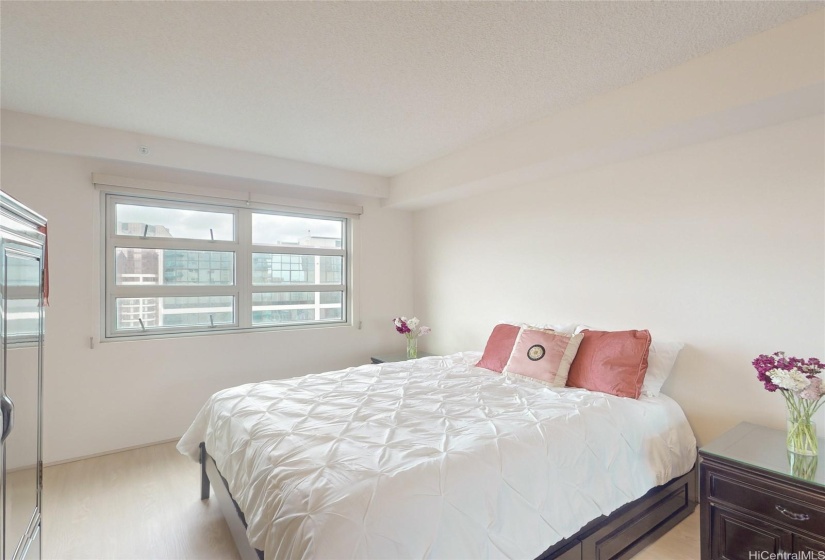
(412, 329)
(799, 382)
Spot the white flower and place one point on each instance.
(793, 380)
(813, 391)
(424, 330)
(413, 323)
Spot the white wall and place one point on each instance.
(122, 394)
(720, 245)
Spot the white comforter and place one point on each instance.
(432, 458)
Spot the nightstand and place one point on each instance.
(396, 357)
(757, 499)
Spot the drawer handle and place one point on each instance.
(792, 515)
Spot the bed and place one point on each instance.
(436, 458)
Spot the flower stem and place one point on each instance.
(801, 428)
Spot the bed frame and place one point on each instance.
(617, 536)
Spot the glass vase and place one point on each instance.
(412, 348)
(802, 435)
(803, 466)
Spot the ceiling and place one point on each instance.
(377, 87)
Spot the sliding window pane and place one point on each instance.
(155, 221)
(295, 231)
(188, 311)
(173, 267)
(297, 307)
(271, 269)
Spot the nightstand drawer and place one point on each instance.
(774, 501)
(739, 536)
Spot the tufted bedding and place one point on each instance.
(432, 458)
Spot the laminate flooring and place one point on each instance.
(139, 504)
(144, 504)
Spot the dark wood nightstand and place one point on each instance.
(396, 357)
(757, 499)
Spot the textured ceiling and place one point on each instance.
(378, 87)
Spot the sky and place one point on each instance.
(268, 229)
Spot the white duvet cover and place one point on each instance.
(432, 458)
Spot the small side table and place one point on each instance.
(759, 501)
(396, 357)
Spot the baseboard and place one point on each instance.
(112, 452)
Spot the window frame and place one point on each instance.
(242, 248)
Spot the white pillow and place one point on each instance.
(660, 361)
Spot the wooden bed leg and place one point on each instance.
(204, 476)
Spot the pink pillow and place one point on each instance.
(499, 347)
(611, 362)
(543, 355)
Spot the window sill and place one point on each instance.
(254, 330)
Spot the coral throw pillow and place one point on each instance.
(611, 362)
(543, 355)
(499, 347)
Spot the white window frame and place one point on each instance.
(241, 246)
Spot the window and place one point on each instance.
(185, 267)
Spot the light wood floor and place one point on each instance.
(145, 504)
(140, 504)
